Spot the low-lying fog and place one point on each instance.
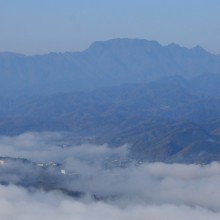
(154, 191)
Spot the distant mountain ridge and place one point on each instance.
(104, 63)
(164, 101)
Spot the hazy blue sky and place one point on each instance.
(41, 26)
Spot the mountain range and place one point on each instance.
(163, 101)
(106, 63)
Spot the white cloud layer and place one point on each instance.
(16, 203)
(154, 191)
(47, 146)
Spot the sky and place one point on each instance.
(43, 26)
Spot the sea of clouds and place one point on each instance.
(154, 191)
